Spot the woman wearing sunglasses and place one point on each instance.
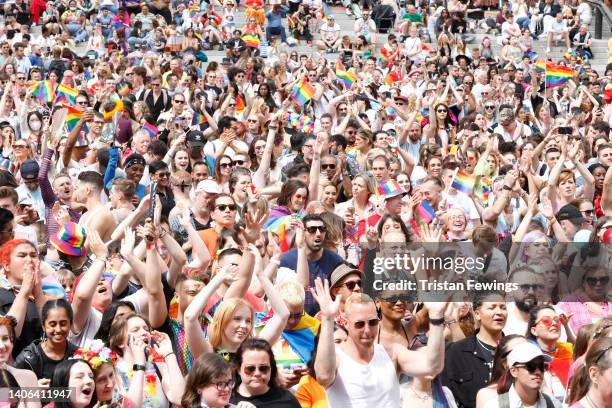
(256, 382)
(593, 386)
(544, 330)
(523, 380)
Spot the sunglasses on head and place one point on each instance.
(223, 207)
(361, 324)
(534, 365)
(315, 228)
(250, 369)
(603, 280)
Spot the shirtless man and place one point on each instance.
(86, 196)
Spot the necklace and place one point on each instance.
(590, 401)
(484, 345)
(421, 397)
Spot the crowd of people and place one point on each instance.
(176, 231)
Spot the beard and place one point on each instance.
(526, 304)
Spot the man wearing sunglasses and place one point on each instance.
(309, 250)
(527, 365)
(359, 372)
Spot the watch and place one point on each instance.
(436, 322)
(139, 367)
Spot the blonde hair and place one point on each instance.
(223, 315)
(566, 175)
(356, 298)
(291, 292)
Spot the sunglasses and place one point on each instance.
(19, 146)
(223, 207)
(163, 175)
(239, 162)
(441, 111)
(604, 280)
(491, 107)
(252, 120)
(314, 229)
(532, 366)
(179, 101)
(330, 166)
(549, 321)
(226, 165)
(351, 285)
(224, 385)
(394, 299)
(250, 369)
(588, 212)
(361, 324)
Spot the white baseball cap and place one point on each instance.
(524, 353)
(208, 186)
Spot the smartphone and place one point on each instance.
(565, 130)
(152, 195)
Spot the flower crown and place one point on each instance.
(96, 354)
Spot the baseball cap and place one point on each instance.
(340, 272)
(208, 186)
(524, 353)
(196, 139)
(29, 170)
(388, 126)
(570, 213)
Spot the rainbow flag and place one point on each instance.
(388, 188)
(346, 77)
(65, 95)
(123, 88)
(425, 211)
(487, 188)
(239, 104)
(296, 345)
(72, 117)
(82, 138)
(52, 288)
(193, 11)
(198, 117)
(151, 130)
(44, 91)
(278, 225)
(556, 75)
(325, 11)
(302, 92)
(463, 182)
(6, 164)
(292, 42)
(251, 40)
(390, 79)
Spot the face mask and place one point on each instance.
(35, 125)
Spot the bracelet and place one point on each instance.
(436, 322)
(450, 322)
(169, 354)
(139, 367)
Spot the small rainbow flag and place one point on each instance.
(292, 41)
(556, 75)
(44, 91)
(390, 79)
(302, 92)
(251, 41)
(123, 88)
(278, 225)
(425, 211)
(65, 95)
(6, 164)
(463, 182)
(346, 77)
(239, 104)
(193, 11)
(151, 130)
(325, 11)
(388, 188)
(487, 188)
(198, 118)
(72, 118)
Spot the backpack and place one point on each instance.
(504, 401)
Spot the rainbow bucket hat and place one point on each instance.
(70, 239)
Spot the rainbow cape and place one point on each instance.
(345, 76)
(6, 164)
(44, 91)
(556, 75)
(302, 92)
(426, 212)
(251, 40)
(463, 182)
(65, 95)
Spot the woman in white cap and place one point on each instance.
(523, 379)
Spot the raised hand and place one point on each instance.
(329, 308)
(97, 246)
(163, 345)
(128, 242)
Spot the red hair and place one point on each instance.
(7, 249)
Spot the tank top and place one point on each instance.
(365, 385)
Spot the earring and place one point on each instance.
(379, 313)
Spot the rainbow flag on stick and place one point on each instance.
(65, 95)
(426, 212)
(302, 92)
(251, 41)
(278, 225)
(44, 91)
(556, 75)
(463, 182)
(6, 164)
(346, 77)
(72, 118)
(123, 88)
(198, 117)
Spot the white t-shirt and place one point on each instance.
(329, 33)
